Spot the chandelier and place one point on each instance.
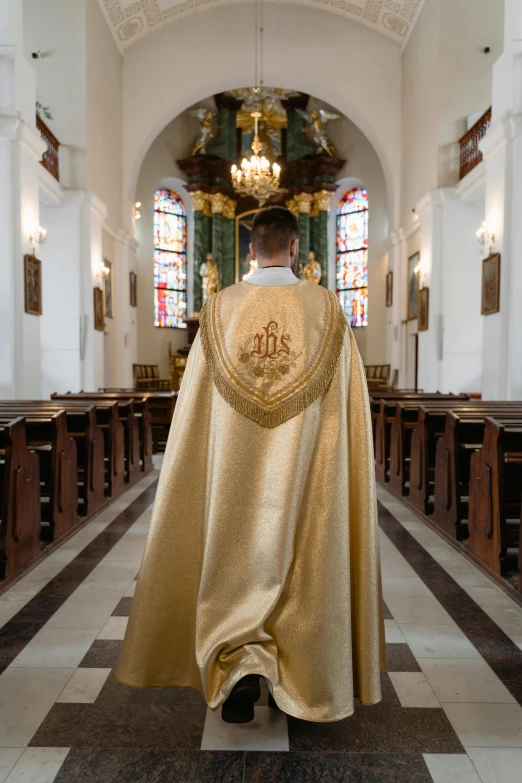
(257, 177)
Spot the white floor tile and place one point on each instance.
(130, 592)
(464, 680)
(84, 686)
(26, 696)
(413, 690)
(111, 576)
(56, 648)
(497, 765)
(38, 765)
(8, 758)
(413, 609)
(393, 634)
(9, 609)
(83, 610)
(486, 725)
(494, 597)
(449, 768)
(114, 628)
(438, 641)
(268, 731)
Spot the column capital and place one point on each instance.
(323, 200)
(218, 203)
(229, 209)
(292, 205)
(304, 202)
(199, 200)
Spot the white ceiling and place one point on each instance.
(133, 19)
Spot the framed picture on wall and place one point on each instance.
(99, 323)
(424, 309)
(389, 289)
(413, 286)
(491, 284)
(107, 289)
(33, 285)
(133, 280)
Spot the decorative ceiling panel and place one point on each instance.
(132, 19)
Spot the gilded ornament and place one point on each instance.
(293, 206)
(229, 210)
(199, 200)
(208, 126)
(218, 202)
(316, 120)
(312, 271)
(323, 200)
(304, 202)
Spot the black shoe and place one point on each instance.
(239, 707)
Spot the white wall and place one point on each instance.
(56, 28)
(104, 115)
(214, 52)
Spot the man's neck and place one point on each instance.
(271, 262)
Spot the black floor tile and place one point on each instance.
(143, 765)
(103, 654)
(123, 608)
(335, 768)
(401, 659)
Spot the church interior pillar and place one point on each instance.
(202, 241)
(323, 202)
(229, 212)
(217, 203)
(304, 203)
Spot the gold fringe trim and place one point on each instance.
(295, 404)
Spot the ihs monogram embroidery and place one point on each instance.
(270, 356)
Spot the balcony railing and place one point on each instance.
(470, 155)
(50, 159)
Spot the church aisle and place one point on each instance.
(451, 709)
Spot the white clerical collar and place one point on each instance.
(273, 275)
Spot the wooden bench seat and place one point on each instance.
(161, 406)
(20, 499)
(496, 494)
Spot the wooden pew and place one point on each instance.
(161, 406)
(20, 499)
(135, 415)
(495, 494)
(47, 436)
(387, 406)
(82, 426)
(463, 435)
(413, 444)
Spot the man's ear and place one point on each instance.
(251, 248)
(294, 248)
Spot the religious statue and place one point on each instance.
(312, 271)
(316, 121)
(209, 272)
(252, 266)
(208, 127)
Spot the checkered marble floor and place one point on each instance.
(451, 709)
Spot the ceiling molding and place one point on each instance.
(130, 20)
(412, 26)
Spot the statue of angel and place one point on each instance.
(207, 119)
(316, 121)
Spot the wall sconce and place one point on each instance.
(38, 237)
(420, 271)
(486, 237)
(137, 213)
(104, 270)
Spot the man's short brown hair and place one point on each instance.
(273, 231)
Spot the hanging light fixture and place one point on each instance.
(257, 177)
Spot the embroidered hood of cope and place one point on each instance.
(272, 350)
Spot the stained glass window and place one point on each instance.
(352, 256)
(170, 260)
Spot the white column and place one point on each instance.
(21, 149)
(92, 347)
(429, 211)
(502, 149)
(126, 320)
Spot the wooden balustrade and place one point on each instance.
(50, 159)
(470, 154)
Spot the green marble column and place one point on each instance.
(304, 203)
(322, 201)
(217, 203)
(201, 242)
(229, 255)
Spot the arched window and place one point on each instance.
(352, 255)
(170, 260)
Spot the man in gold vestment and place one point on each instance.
(262, 557)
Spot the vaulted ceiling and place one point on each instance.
(132, 19)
